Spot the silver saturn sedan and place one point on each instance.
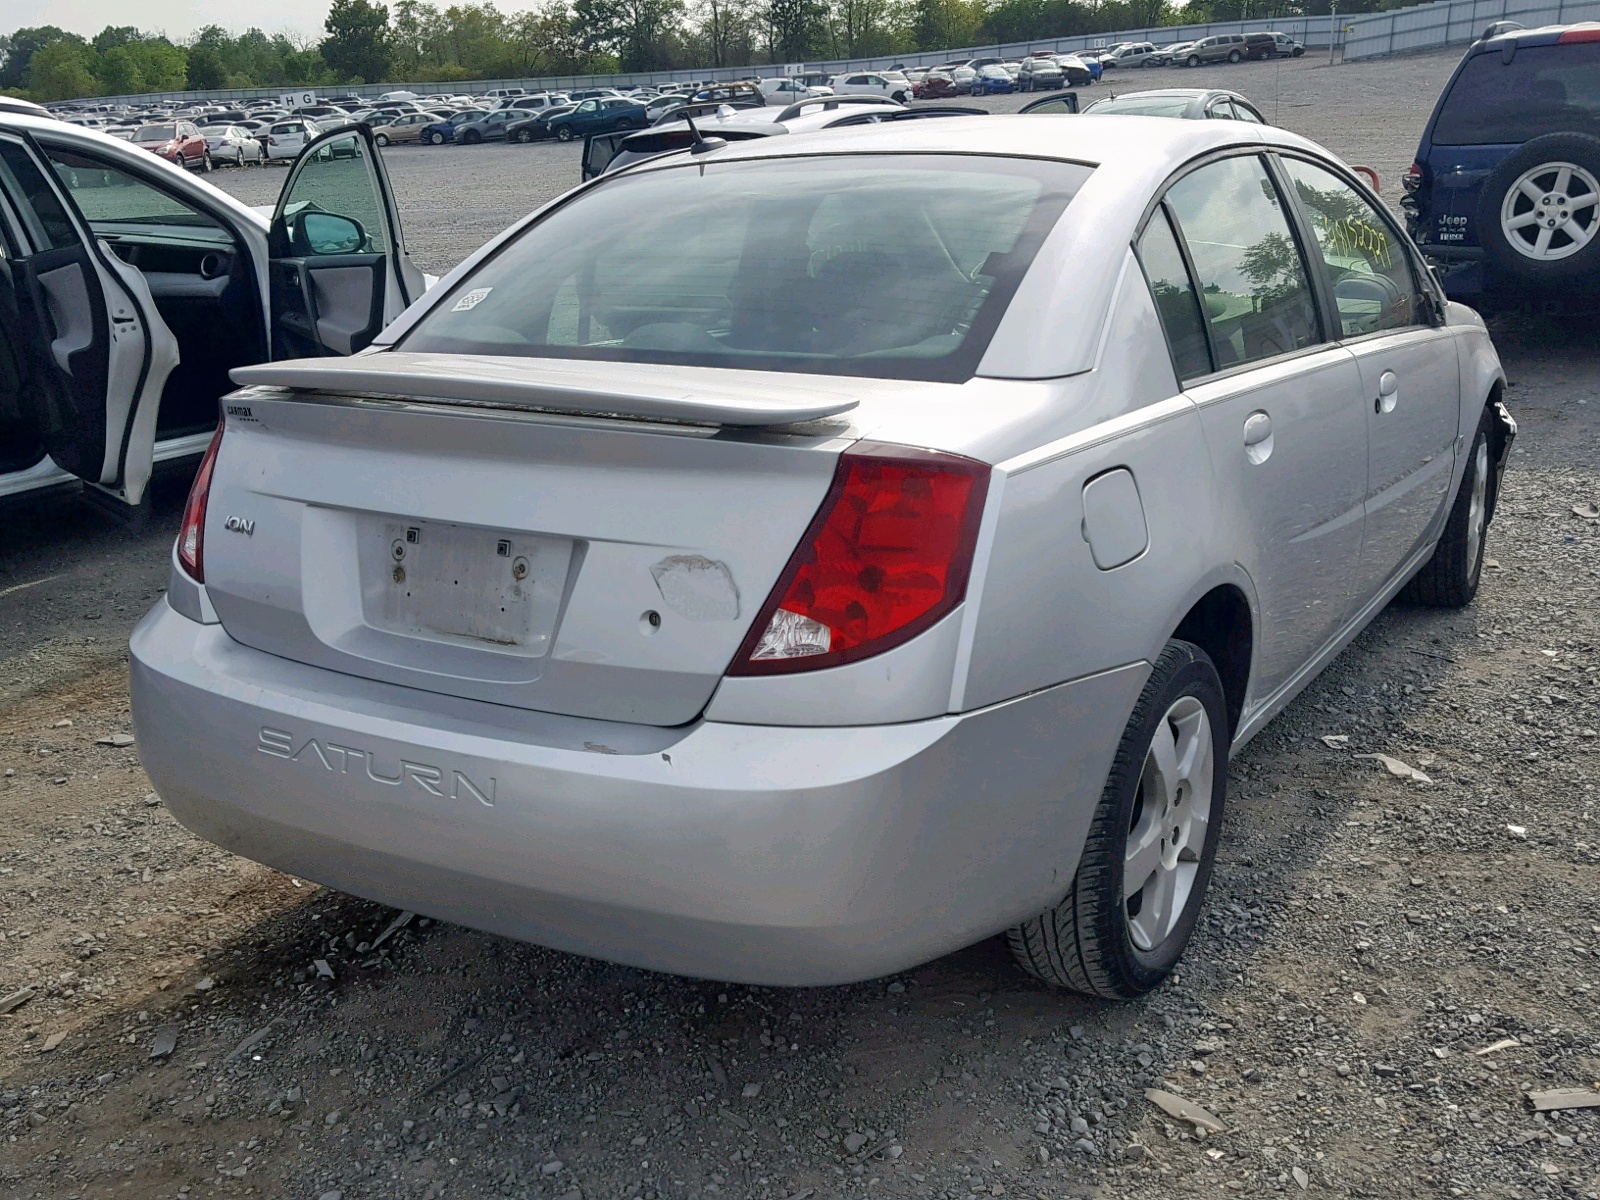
(791, 560)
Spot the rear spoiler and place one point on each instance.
(490, 381)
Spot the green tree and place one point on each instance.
(119, 73)
(62, 71)
(164, 66)
(638, 32)
(357, 45)
(206, 68)
(113, 36)
(22, 45)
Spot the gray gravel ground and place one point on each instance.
(1366, 938)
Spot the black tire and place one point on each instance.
(564, 133)
(205, 163)
(1578, 149)
(520, 136)
(1234, 56)
(435, 139)
(1450, 578)
(471, 138)
(1084, 942)
(381, 139)
(898, 97)
(1192, 61)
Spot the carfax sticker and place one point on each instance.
(471, 300)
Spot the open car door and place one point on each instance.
(339, 271)
(88, 353)
(599, 149)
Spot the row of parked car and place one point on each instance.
(1045, 70)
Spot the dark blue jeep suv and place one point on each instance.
(1504, 197)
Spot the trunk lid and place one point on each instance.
(511, 544)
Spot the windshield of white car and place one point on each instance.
(886, 266)
(156, 133)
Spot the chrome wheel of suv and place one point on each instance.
(1551, 212)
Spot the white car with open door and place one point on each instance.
(129, 289)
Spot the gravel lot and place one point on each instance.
(1384, 969)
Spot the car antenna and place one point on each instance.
(701, 143)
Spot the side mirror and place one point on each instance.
(330, 233)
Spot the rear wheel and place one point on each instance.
(1147, 858)
(1539, 215)
(1450, 578)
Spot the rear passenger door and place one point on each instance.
(1280, 403)
(94, 354)
(1390, 320)
(338, 271)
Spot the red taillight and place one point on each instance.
(886, 556)
(192, 533)
(1584, 33)
(1412, 179)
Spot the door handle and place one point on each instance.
(1258, 437)
(1388, 392)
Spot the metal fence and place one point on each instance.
(1312, 31)
(1452, 22)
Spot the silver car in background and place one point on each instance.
(793, 560)
(232, 144)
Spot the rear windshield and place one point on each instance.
(156, 133)
(889, 266)
(1155, 106)
(1544, 89)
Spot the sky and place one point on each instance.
(176, 18)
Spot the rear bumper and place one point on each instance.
(755, 854)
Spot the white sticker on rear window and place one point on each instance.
(471, 300)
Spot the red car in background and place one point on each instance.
(178, 142)
(935, 85)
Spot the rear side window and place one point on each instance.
(1253, 283)
(1544, 89)
(1175, 299)
(887, 266)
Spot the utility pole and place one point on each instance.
(1333, 28)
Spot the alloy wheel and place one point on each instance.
(1478, 504)
(1171, 815)
(1551, 212)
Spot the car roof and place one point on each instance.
(1190, 94)
(58, 133)
(1159, 147)
(1544, 35)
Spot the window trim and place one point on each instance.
(1422, 279)
(1266, 156)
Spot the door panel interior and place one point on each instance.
(62, 316)
(199, 275)
(326, 305)
(20, 444)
